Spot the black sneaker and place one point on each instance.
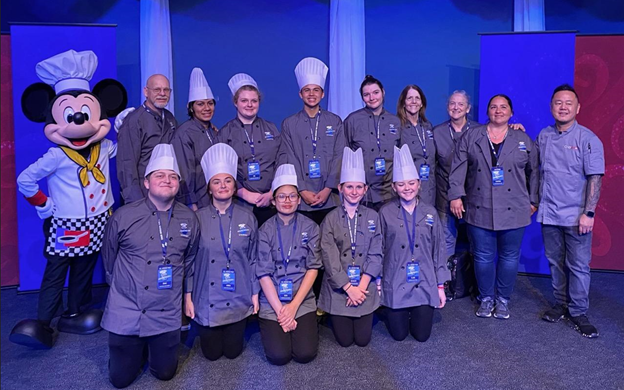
(581, 324)
(486, 307)
(556, 313)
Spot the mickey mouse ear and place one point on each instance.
(112, 95)
(36, 101)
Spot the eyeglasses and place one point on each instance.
(281, 198)
(166, 91)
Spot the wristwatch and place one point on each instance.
(590, 214)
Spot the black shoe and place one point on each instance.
(581, 323)
(556, 313)
(87, 322)
(33, 334)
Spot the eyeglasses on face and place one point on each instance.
(281, 198)
(166, 91)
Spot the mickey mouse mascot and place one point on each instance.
(79, 201)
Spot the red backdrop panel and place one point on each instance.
(9, 274)
(599, 81)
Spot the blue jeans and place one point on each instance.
(485, 243)
(449, 224)
(569, 254)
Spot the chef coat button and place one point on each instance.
(213, 217)
(509, 170)
(372, 150)
(416, 246)
(149, 262)
(383, 134)
(359, 215)
(91, 196)
(478, 188)
(143, 311)
(478, 207)
(306, 174)
(259, 141)
(402, 246)
(168, 261)
(151, 237)
(297, 266)
(212, 283)
(147, 287)
(245, 142)
(402, 267)
(371, 168)
(212, 261)
(162, 309)
(306, 137)
(154, 213)
(371, 133)
(103, 191)
(212, 238)
(88, 182)
(345, 255)
(508, 208)
(295, 246)
(170, 238)
(105, 203)
(360, 255)
(508, 189)
(211, 305)
(413, 142)
(227, 304)
(260, 159)
(98, 166)
(479, 169)
(92, 209)
(280, 267)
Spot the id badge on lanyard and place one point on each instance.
(425, 169)
(380, 166)
(354, 273)
(253, 171)
(498, 176)
(412, 268)
(413, 272)
(314, 169)
(285, 290)
(228, 280)
(165, 277)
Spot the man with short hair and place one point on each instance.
(142, 129)
(571, 167)
(148, 254)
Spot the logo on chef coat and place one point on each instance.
(71, 238)
(392, 129)
(522, 146)
(184, 230)
(429, 220)
(430, 134)
(304, 238)
(329, 131)
(268, 136)
(243, 230)
(371, 225)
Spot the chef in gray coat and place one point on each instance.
(313, 140)
(148, 255)
(416, 133)
(376, 132)
(414, 264)
(141, 131)
(193, 138)
(289, 256)
(352, 254)
(225, 288)
(496, 170)
(257, 143)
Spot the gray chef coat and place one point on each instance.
(445, 141)
(213, 305)
(297, 135)
(132, 253)
(141, 131)
(360, 132)
(266, 140)
(190, 142)
(566, 160)
(429, 252)
(336, 251)
(305, 255)
(502, 207)
(409, 137)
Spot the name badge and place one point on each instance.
(380, 166)
(268, 136)
(425, 169)
(165, 277)
(314, 169)
(522, 146)
(285, 290)
(253, 171)
(413, 272)
(392, 129)
(228, 280)
(353, 271)
(498, 176)
(329, 131)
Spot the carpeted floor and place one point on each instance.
(464, 352)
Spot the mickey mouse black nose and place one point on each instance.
(79, 118)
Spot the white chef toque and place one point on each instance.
(352, 166)
(284, 175)
(240, 80)
(70, 70)
(198, 86)
(403, 167)
(219, 158)
(311, 70)
(163, 157)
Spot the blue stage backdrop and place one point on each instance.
(31, 44)
(526, 67)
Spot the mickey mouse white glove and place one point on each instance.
(120, 118)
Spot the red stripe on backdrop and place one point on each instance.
(9, 274)
(599, 81)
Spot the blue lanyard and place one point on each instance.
(500, 149)
(411, 238)
(251, 142)
(423, 140)
(163, 240)
(352, 232)
(226, 247)
(314, 135)
(377, 125)
(286, 259)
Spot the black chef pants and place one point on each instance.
(300, 345)
(417, 321)
(128, 355)
(349, 330)
(225, 340)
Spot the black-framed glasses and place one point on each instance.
(166, 91)
(281, 198)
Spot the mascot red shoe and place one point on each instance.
(79, 201)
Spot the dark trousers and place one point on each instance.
(317, 216)
(263, 214)
(300, 345)
(349, 330)
(225, 340)
(128, 355)
(569, 254)
(417, 321)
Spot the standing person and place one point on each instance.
(352, 254)
(313, 141)
(416, 133)
(225, 288)
(571, 166)
(446, 136)
(143, 129)
(376, 132)
(289, 256)
(193, 138)
(148, 254)
(414, 265)
(257, 143)
(496, 170)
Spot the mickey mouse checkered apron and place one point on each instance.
(73, 237)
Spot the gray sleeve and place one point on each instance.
(336, 275)
(333, 178)
(532, 173)
(593, 157)
(373, 262)
(128, 155)
(265, 265)
(189, 258)
(459, 169)
(253, 257)
(287, 149)
(314, 258)
(439, 252)
(186, 161)
(110, 247)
